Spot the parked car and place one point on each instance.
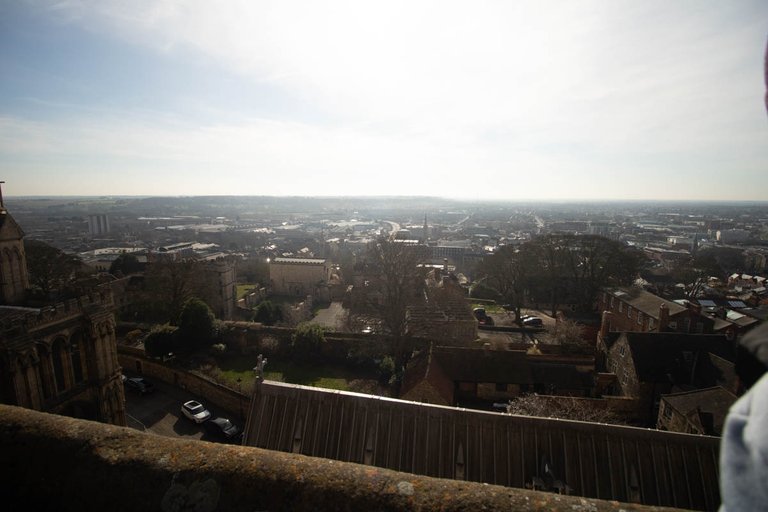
(195, 411)
(139, 385)
(223, 429)
(482, 317)
(532, 321)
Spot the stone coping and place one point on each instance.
(57, 463)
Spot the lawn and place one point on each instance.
(242, 289)
(309, 374)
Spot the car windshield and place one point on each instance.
(195, 408)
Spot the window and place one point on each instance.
(639, 318)
(666, 411)
(650, 323)
(502, 388)
(621, 350)
(629, 311)
(621, 306)
(612, 298)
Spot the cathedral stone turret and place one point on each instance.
(14, 280)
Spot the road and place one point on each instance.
(160, 412)
(331, 317)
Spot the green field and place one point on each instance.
(308, 374)
(242, 289)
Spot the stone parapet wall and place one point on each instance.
(60, 312)
(56, 463)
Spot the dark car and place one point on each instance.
(139, 385)
(224, 429)
(482, 317)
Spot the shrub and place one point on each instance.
(196, 324)
(267, 313)
(307, 340)
(162, 340)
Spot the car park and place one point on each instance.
(139, 385)
(195, 411)
(223, 429)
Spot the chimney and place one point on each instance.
(605, 325)
(663, 317)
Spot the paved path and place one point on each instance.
(331, 317)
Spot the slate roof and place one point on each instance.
(659, 356)
(645, 301)
(462, 364)
(708, 406)
(592, 460)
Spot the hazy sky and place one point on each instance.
(610, 99)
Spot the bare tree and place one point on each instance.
(580, 265)
(506, 272)
(394, 282)
(569, 335)
(562, 407)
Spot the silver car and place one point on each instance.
(195, 411)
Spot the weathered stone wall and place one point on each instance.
(57, 463)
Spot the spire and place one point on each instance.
(426, 230)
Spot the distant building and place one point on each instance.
(634, 309)
(729, 236)
(299, 276)
(702, 411)
(649, 364)
(98, 224)
(219, 276)
(457, 375)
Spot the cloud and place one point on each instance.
(557, 95)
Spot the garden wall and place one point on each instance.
(252, 337)
(234, 402)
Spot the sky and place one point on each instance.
(518, 100)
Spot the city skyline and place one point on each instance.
(561, 101)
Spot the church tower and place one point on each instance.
(14, 280)
(425, 236)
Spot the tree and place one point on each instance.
(125, 264)
(168, 285)
(50, 269)
(253, 270)
(396, 280)
(506, 271)
(578, 266)
(162, 340)
(267, 313)
(563, 407)
(569, 335)
(196, 324)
